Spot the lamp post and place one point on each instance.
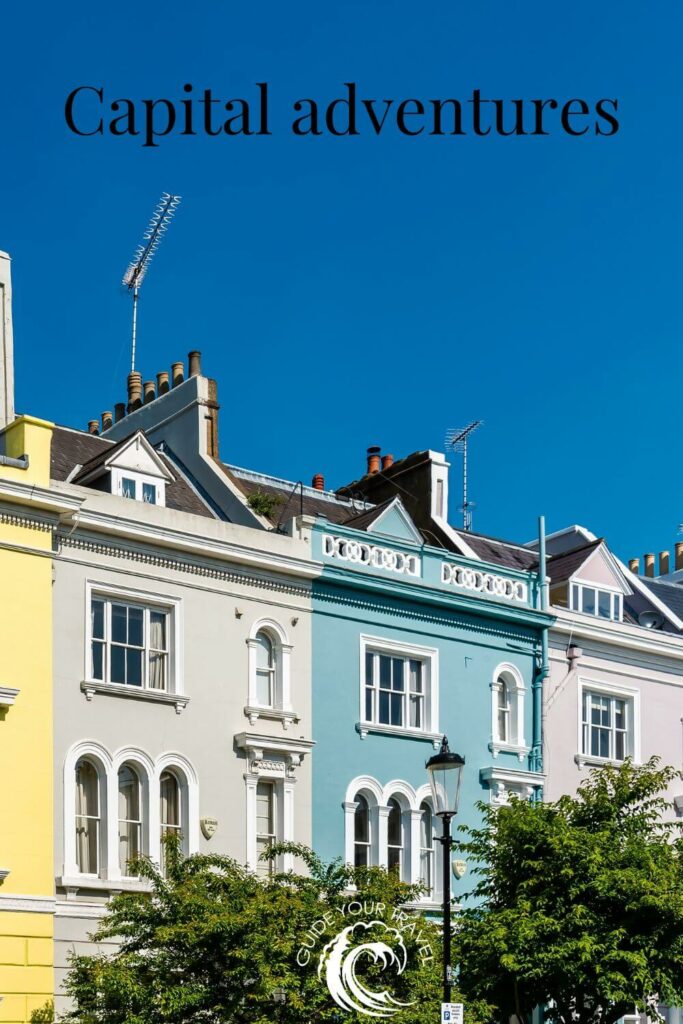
(445, 774)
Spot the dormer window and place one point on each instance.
(128, 488)
(131, 469)
(603, 604)
(149, 494)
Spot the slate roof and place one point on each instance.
(291, 501)
(362, 520)
(563, 566)
(670, 594)
(71, 448)
(501, 552)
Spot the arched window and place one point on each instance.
(130, 817)
(427, 854)
(169, 810)
(87, 818)
(361, 833)
(265, 670)
(503, 717)
(395, 837)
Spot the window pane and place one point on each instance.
(133, 667)
(119, 623)
(118, 664)
(127, 487)
(264, 651)
(415, 676)
(394, 859)
(157, 631)
(97, 620)
(384, 671)
(575, 598)
(157, 671)
(361, 820)
(396, 709)
(394, 824)
(87, 795)
(604, 604)
(589, 600)
(620, 746)
(136, 630)
(426, 834)
(415, 711)
(149, 494)
(368, 704)
(169, 800)
(263, 695)
(397, 674)
(87, 818)
(620, 714)
(97, 667)
(361, 855)
(368, 667)
(129, 818)
(384, 707)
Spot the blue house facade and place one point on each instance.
(410, 642)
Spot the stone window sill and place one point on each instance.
(73, 883)
(7, 696)
(254, 712)
(597, 762)
(509, 748)
(92, 686)
(363, 728)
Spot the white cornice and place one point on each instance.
(27, 904)
(617, 634)
(7, 696)
(18, 492)
(178, 540)
(278, 744)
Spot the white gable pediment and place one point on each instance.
(602, 569)
(138, 456)
(395, 522)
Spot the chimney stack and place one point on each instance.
(119, 411)
(373, 459)
(134, 390)
(318, 482)
(162, 383)
(177, 374)
(6, 344)
(679, 554)
(634, 565)
(150, 393)
(194, 363)
(649, 561)
(93, 426)
(106, 421)
(387, 461)
(663, 563)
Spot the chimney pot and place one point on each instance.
(177, 374)
(318, 482)
(119, 411)
(194, 361)
(679, 554)
(106, 420)
(634, 565)
(162, 382)
(150, 393)
(387, 461)
(663, 563)
(93, 426)
(649, 561)
(134, 390)
(373, 459)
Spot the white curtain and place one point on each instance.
(87, 818)
(157, 654)
(129, 817)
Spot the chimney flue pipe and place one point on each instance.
(177, 375)
(634, 565)
(387, 461)
(162, 382)
(194, 363)
(373, 459)
(150, 393)
(679, 554)
(663, 563)
(318, 482)
(649, 560)
(119, 411)
(106, 420)
(93, 426)
(134, 390)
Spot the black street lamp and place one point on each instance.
(445, 774)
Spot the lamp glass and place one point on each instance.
(445, 776)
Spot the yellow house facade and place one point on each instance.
(26, 745)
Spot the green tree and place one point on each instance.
(213, 944)
(581, 902)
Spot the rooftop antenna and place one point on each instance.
(457, 440)
(135, 274)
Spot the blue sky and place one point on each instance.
(356, 291)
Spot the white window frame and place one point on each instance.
(281, 709)
(515, 743)
(429, 657)
(149, 772)
(631, 695)
(118, 475)
(172, 608)
(616, 600)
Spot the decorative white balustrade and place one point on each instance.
(371, 555)
(484, 582)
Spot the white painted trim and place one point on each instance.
(189, 802)
(172, 606)
(631, 694)
(282, 650)
(502, 781)
(90, 688)
(99, 755)
(365, 728)
(396, 505)
(16, 903)
(8, 695)
(429, 656)
(517, 690)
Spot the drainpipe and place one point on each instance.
(536, 756)
(20, 463)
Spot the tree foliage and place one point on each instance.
(581, 902)
(212, 943)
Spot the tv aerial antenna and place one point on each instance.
(457, 440)
(144, 254)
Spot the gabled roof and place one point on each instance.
(73, 449)
(389, 519)
(293, 498)
(670, 594)
(108, 456)
(562, 567)
(502, 552)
